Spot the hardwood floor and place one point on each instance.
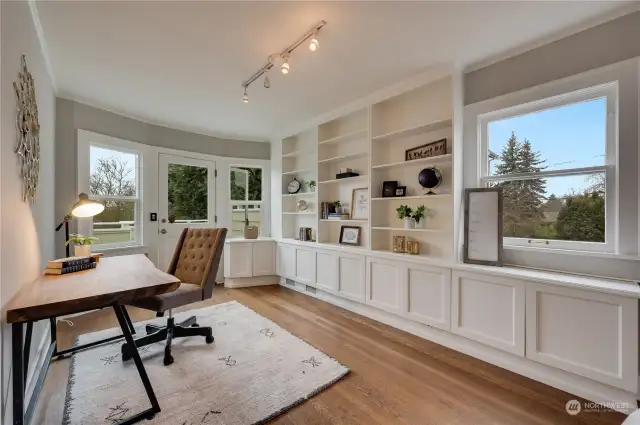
(395, 378)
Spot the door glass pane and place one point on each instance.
(246, 184)
(239, 213)
(113, 173)
(116, 223)
(187, 192)
(567, 208)
(569, 136)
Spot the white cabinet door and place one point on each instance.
(327, 271)
(428, 295)
(489, 309)
(305, 266)
(285, 261)
(264, 258)
(590, 334)
(351, 277)
(385, 284)
(239, 260)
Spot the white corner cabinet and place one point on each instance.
(249, 262)
(574, 333)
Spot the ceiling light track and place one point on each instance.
(284, 58)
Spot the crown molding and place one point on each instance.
(35, 17)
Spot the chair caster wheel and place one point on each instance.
(151, 416)
(208, 339)
(168, 359)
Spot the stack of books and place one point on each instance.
(338, 216)
(71, 265)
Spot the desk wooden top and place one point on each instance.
(114, 280)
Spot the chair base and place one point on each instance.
(158, 334)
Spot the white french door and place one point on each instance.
(186, 199)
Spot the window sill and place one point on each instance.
(122, 250)
(559, 251)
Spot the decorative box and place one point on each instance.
(346, 175)
(399, 244)
(413, 247)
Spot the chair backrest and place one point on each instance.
(197, 257)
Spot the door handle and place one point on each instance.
(163, 231)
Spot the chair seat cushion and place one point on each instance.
(187, 293)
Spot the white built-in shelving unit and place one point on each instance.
(372, 142)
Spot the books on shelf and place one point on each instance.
(338, 216)
(72, 264)
(71, 269)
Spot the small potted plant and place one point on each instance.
(404, 213)
(312, 185)
(336, 206)
(82, 244)
(420, 215)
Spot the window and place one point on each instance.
(114, 180)
(555, 160)
(187, 190)
(245, 188)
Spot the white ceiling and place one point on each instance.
(181, 64)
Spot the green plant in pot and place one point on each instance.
(336, 206)
(312, 185)
(404, 213)
(420, 216)
(82, 244)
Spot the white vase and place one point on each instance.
(422, 224)
(312, 189)
(409, 223)
(82, 250)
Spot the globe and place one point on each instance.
(430, 178)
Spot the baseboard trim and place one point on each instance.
(246, 282)
(557, 378)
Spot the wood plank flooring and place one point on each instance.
(396, 377)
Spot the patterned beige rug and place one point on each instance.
(254, 371)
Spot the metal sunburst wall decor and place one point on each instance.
(28, 129)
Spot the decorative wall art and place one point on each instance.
(483, 216)
(350, 235)
(360, 204)
(389, 189)
(28, 131)
(437, 148)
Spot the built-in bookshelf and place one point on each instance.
(372, 142)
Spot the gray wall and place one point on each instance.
(71, 116)
(611, 42)
(27, 229)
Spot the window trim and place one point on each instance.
(86, 140)
(609, 91)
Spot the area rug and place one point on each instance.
(254, 371)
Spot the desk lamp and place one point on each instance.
(85, 207)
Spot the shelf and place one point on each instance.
(299, 213)
(400, 198)
(343, 157)
(326, 220)
(337, 244)
(285, 195)
(402, 229)
(296, 153)
(411, 131)
(347, 179)
(398, 254)
(301, 170)
(432, 160)
(344, 137)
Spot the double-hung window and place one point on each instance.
(245, 188)
(111, 174)
(555, 160)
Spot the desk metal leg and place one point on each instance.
(155, 407)
(18, 373)
(27, 349)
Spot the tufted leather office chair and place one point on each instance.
(195, 262)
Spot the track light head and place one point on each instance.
(245, 98)
(267, 83)
(313, 44)
(285, 65)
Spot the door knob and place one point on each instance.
(163, 231)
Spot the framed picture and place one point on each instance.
(350, 235)
(437, 148)
(401, 191)
(360, 204)
(389, 189)
(483, 210)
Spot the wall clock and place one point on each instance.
(294, 186)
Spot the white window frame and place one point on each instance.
(86, 140)
(609, 91)
(261, 203)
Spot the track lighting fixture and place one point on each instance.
(282, 59)
(285, 65)
(313, 44)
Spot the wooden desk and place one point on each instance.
(113, 283)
